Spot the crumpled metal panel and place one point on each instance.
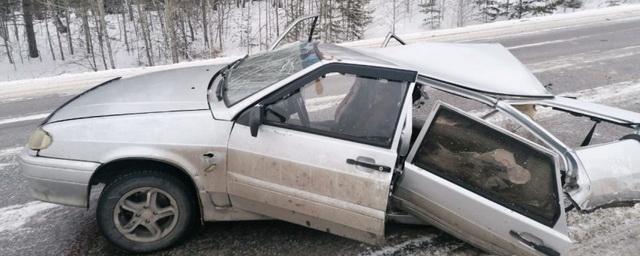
(489, 68)
(609, 174)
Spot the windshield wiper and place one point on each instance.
(221, 87)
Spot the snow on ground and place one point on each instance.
(74, 83)
(14, 217)
(611, 231)
(394, 249)
(9, 151)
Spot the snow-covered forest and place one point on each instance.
(49, 37)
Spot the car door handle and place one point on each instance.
(538, 247)
(381, 168)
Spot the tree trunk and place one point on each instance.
(169, 16)
(163, 29)
(87, 36)
(4, 33)
(145, 34)
(100, 41)
(66, 17)
(220, 24)
(277, 7)
(185, 43)
(105, 34)
(124, 30)
(46, 25)
(191, 32)
(27, 12)
(16, 34)
(205, 24)
(60, 28)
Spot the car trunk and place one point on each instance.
(606, 174)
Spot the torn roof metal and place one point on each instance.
(489, 68)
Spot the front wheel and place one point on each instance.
(145, 211)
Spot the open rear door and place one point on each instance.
(484, 185)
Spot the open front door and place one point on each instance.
(484, 185)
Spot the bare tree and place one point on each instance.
(67, 18)
(27, 12)
(124, 26)
(59, 26)
(205, 23)
(17, 37)
(169, 15)
(103, 34)
(145, 33)
(46, 25)
(87, 36)
(4, 33)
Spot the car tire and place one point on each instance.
(129, 219)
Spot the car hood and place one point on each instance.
(171, 90)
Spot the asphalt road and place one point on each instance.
(575, 60)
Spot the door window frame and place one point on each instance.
(427, 126)
(406, 77)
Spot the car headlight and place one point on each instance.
(40, 139)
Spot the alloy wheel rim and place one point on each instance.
(146, 214)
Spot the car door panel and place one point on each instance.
(498, 191)
(274, 174)
(323, 156)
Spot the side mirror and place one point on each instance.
(255, 119)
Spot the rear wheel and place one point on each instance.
(145, 211)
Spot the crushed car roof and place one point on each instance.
(489, 68)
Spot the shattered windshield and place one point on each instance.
(259, 71)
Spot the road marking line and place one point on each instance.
(23, 118)
(542, 43)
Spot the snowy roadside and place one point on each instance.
(74, 83)
(514, 27)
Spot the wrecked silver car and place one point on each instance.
(333, 138)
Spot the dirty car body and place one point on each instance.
(324, 136)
